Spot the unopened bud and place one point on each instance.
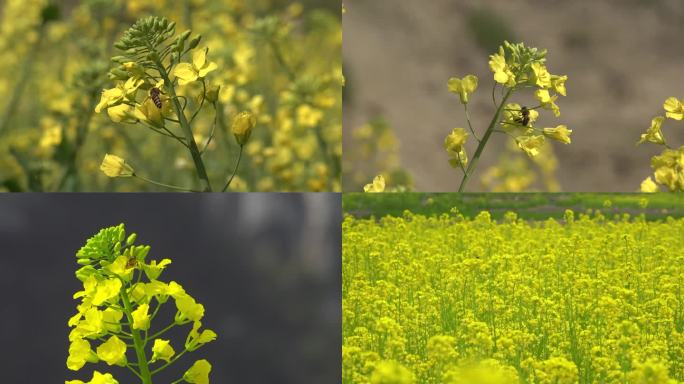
(131, 239)
(242, 127)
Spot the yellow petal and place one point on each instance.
(185, 73)
(674, 108)
(199, 57)
(208, 68)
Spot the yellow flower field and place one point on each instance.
(450, 299)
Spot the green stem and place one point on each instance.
(162, 184)
(156, 335)
(483, 143)
(470, 125)
(145, 374)
(26, 68)
(178, 356)
(213, 130)
(192, 145)
(81, 135)
(234, 170)
(281, 60)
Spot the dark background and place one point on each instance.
(265, 266)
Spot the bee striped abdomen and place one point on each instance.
(154, 94)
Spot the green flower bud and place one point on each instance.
(195, 42)
(84, 261)
(117, 248)
(118, 74)
(85, 272)
(153, 56)
(131, 239)
(120, 59)
(140, 252)
(184, 36)
(180, 44)
(242, 127)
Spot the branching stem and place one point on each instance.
(478, 152)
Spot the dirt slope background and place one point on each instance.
(623, 59)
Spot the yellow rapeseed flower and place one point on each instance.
(547, 101)
(198, 373)
(648, 186)
(502, 74)
(530, 144)
(542, 77)
(674, 108)
(454, 144)
(560, 133)
(112, 351)
(463, 87)
(187, 73)
(378, 185)
(162, 350)
(115, 166)
(653, 134)
(242, 127)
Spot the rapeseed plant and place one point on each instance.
(515, 67)
(118, 309)
(668, 167)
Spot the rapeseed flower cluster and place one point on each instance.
(281, 64)
(668, 167)
(515, 67)
(452, 299)
(118, 308)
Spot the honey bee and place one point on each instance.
(132, 262)
(524, 118)
(154, 95)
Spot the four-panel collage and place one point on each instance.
(354, 192)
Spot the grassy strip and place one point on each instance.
(530, 206)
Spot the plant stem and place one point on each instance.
(480, 147)
(162, 184)
(192, 145)
(178, 356)
(470, 125)
(81, 135)
(234, 170)
(26, 69)
(281, 60)
(145, 374)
